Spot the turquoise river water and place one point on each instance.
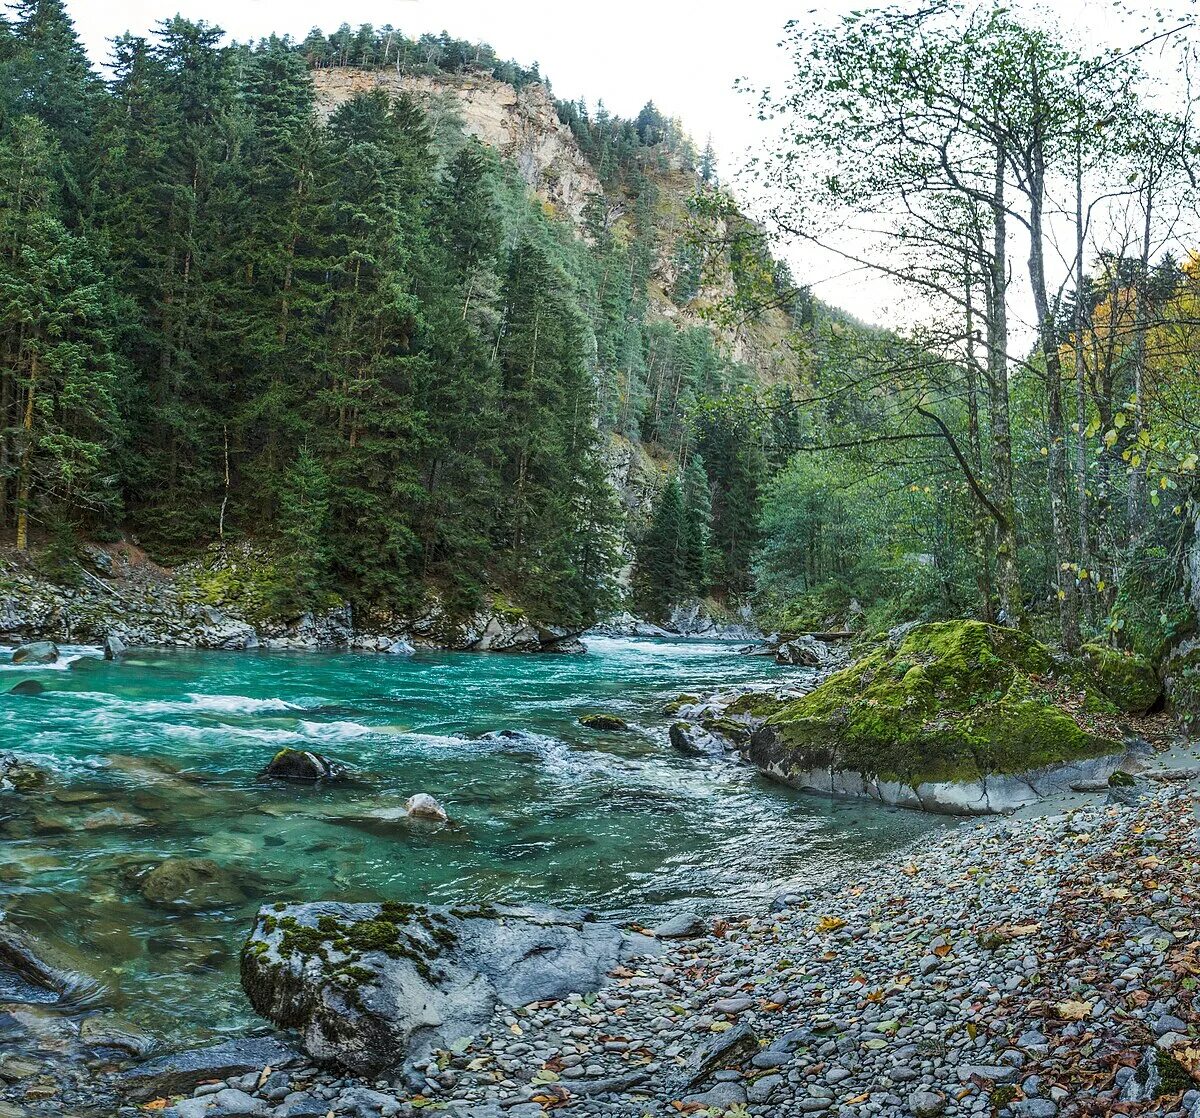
(157, 757)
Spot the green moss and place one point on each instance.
(757, 704)
(399, 931)
(1126, 678)
(1001, 1096)
(1173, 1076)
(506, 609)
(953, 701)
(727, 727)
(605, 722)
(678, 703)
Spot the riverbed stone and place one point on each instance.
(179, 1072)
(303, 766)
(36, 652)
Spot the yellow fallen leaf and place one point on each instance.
(720, 1026)
(854, 1100)
(830, 923)
(1074, 1010)
(910, 870)
(155, 1104)
(1111, 893)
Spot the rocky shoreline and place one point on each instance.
(215, 604)
(1028, 968)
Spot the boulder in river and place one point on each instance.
(27, 687)
(303, 766)
(37, 652)
(424, 806)
(375, 988)
(114, 647)
(607, 722)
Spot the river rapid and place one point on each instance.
(156, 757)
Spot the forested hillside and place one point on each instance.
(343, 326)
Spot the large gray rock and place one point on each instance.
(37, 652)
(114, 647)
(373, 988)
(803, 651)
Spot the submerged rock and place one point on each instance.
(958, 717)
(607, 722)
(37, 652)
(106, 1030)
(424, 806)
(303, 766)
(27, 687)
(189, 883)
(45, 966)
(374, 988)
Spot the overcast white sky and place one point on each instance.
(682, 54)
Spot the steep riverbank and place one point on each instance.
(1029, 968)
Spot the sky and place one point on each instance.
(684, 55)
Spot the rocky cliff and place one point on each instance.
(524, 127)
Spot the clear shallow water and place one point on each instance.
(156, 756)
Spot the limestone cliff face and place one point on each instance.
(522, 125)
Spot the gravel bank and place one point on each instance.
(1028, 967)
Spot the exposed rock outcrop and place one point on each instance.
(373, 988)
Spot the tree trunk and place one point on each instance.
(1008, 571)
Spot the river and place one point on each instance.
(156, 756)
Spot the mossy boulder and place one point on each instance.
(606, 722)
(955, 701)
(375, 988)
(1126, 678)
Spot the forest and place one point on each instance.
(1025, 449)
(364, 340)
(361, 339)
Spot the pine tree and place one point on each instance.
(661, 578)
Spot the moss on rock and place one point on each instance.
(951, 701)
(1126, 678)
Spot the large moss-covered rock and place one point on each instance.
(946, 704)
(1126, 678)
(373, 988)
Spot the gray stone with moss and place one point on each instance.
(1126, 678)
(959, 717)
(374, 988)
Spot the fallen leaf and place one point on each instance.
(1073, 1010)
(854, 1100)
(942, 950)
(155, 1104)
(830, 923)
